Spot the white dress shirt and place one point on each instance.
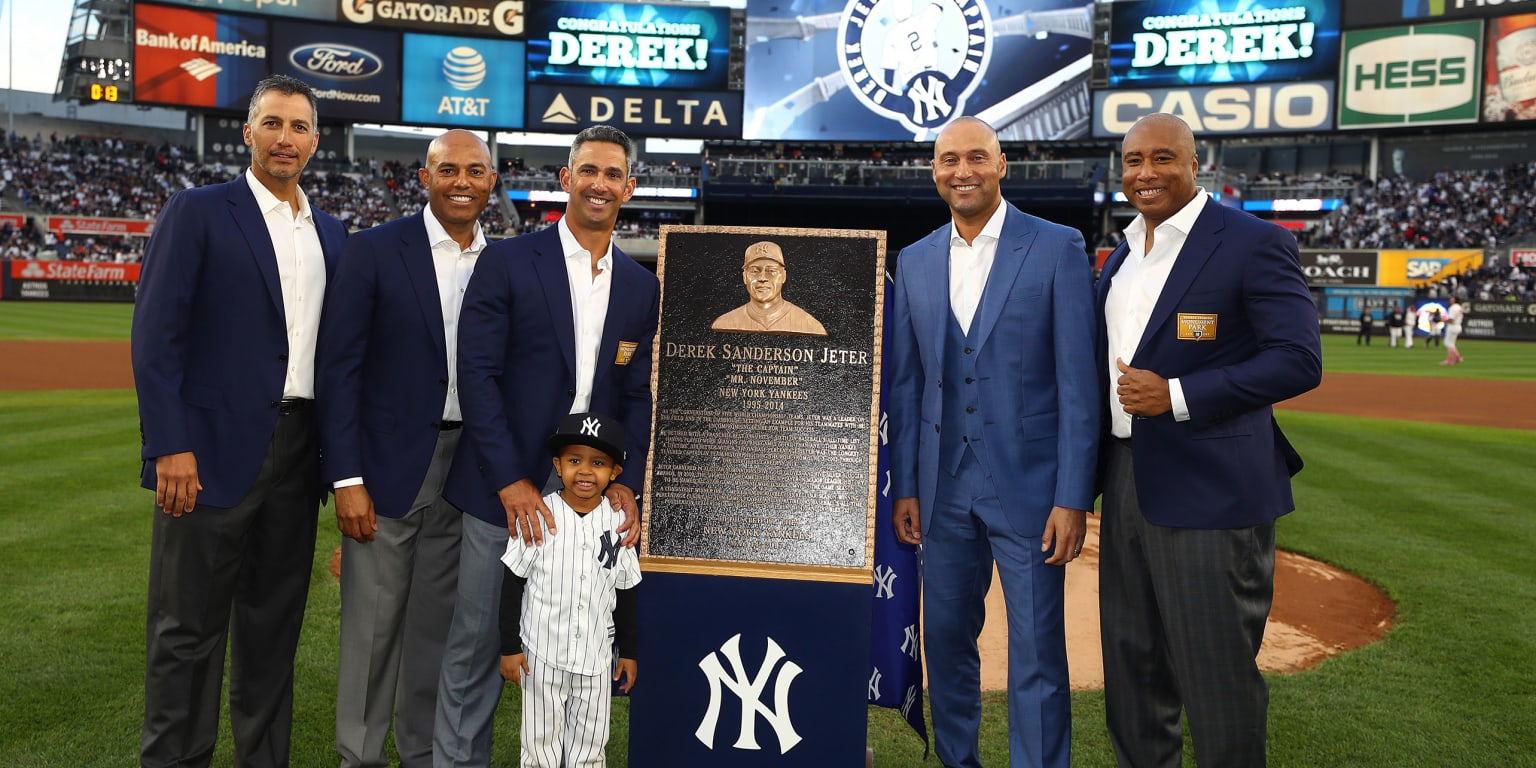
(301, 272)
(1133, 293)
(969, 266)
(589, 308)
(453, 266)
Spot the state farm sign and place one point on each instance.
(81, 225)
(87, 271)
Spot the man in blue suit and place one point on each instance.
(994, 438)
(390, 424)
(1205, 322)
(555, 322)
(224, 330)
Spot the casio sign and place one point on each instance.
(334, 60)
(1381, 81)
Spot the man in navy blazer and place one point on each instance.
(223, 341)
(555, 322)
(1205, 322)
(390, 424)
(994, 438)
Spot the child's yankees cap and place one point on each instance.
(592, 429)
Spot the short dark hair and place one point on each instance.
(285, 85)
(605, 133)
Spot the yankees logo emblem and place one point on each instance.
(915, 61)
(589, 427)
(608, 552)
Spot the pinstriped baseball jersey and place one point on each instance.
(568, 605)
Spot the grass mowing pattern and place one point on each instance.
(1438, 515)
(54, 321)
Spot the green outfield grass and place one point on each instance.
(1439, 516)
(64, 320)
(1485, 359)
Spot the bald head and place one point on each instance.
(968, 167)
(1157, 167)
(459, 179)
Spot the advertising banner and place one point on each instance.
(871, 70)
(319, 10)
(1339, 267)
(1500, 320)
(80, 225)
(76, 271)
(1411, 268)
(1421, 75)
(192, 58)
(1522, 257)
(1230, 109)
(491, 18)
(1509, 79)
(1380, 13)
(665, 113)
(355, 72)
(628, 45)
(464, 82)
(1180, 42)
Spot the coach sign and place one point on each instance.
(1339, 267)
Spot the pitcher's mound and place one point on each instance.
(1319, 611)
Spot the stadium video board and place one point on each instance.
(651, 70)
(318, 10)
(873, 70)
(193, 58)
(1174, 43)
(1420, 75)
(462, 82)
(1509, 80)
(355, 71)
(628, 45)
(1381, 13)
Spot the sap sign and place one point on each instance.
(1276, 108)
(627, 44)
(1425, 269)
(471, 82)
(1421, 75)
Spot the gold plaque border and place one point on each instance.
(752, 569)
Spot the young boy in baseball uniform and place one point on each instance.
(564, 602)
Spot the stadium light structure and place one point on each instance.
(98, 54)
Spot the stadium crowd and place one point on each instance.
(113, 178)
(1478, 209)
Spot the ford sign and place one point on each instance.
(336, 61)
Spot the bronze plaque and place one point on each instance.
(766, 376)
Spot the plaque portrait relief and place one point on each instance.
(767, 311)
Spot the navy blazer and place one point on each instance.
(209, 340)
(381, 378)
(1032, 333)
(517, 367)
(1229, 465)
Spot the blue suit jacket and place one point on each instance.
(1033, 332)
(382, 376)
(1228, 466)
(209, 341)
(517, 367)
